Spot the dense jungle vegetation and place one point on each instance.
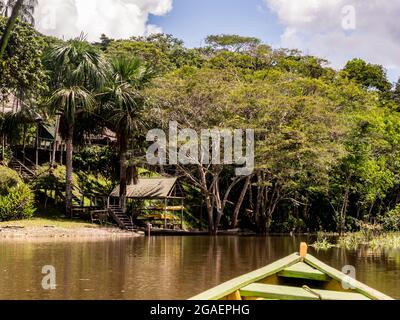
(327, 141)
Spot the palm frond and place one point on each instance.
(71, 100)
(27, 10)
(78, 63)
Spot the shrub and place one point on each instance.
(53, 182)
(95, 185)
(370, 231)
(16, 198)
(97, 159)
(52, 179)
(391, 220)
(322, 242)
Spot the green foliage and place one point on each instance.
(95, 184)
(370, 76)
(291, 224)
(121, 100)
(227, 60)
(52, 180)
(307, 66)
(391, 220)
(147, 52)
(370, 231)
(16, 199)
(322, 242)
(96, 159)
(160, 52)
(327, 142)
(21, 67)
(232, 42)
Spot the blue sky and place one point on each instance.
(281, 23)
(317, 27)
(193, 20)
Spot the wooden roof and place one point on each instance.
(154, 188)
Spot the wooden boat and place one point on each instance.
(299, 276)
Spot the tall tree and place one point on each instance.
(370, 76)
(21, 69)
(122, 104)
(232, 42)
(79, 69)
(10, 26)
(26, 13)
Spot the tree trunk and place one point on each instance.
(10, 26)
(69, 170)
(24, 142)
(239, 203)
(217, 204)
(132, 175)
(206, 193)
(123, 146)
(53, 158)
(343, 212)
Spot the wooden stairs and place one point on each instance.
(122, 219)
(26, 172)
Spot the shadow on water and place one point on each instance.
(167, 267)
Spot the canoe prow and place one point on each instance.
(299, 276)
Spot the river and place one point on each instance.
(166, 267)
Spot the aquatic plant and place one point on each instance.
(322, 242)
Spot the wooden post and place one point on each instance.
(165, 213)
(182, 215)
(303, 250)
(148, 229)
(61, 153)
(37, 145)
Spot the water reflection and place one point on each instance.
(166, 267)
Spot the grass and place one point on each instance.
(48, 222)
(352, 241)
(322, 242)
(391, 240)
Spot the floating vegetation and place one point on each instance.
(322, 242)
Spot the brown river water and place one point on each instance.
(166, 267)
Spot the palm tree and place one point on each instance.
(78, 70)
(10, 25)
(26, 13)
(2, 7)
(122, 104)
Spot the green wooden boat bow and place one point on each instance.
(299, 276)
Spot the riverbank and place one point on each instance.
(46, 228)
(390, 240)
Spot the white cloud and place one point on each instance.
(116, 18)
(316, 27)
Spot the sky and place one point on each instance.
(337, 30)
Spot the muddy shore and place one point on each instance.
(54, 233)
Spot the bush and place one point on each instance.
(48, 179)
(97, 159)
(53, 181)
(391, 220)
(322, 242)
(95, 185)
(370, 231)
(16, 198)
